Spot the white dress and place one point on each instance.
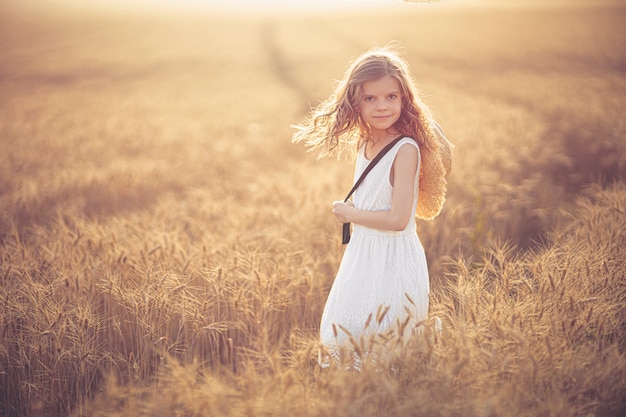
(379, 268)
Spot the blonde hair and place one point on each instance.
(336, 124)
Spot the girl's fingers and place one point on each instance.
(339, 207)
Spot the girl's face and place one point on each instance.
(380, 105)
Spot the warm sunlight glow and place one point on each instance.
(232, 5)
(167, 249)
(255, 7)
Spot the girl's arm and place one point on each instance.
(404, 170)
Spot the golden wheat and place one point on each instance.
(166, 251)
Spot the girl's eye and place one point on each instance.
(368, 98)
(393, 96)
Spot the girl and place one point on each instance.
(382, 284)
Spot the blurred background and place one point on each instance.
(152, 203)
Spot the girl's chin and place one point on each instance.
(382, 128)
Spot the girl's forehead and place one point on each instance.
(384, 84)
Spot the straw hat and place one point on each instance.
(436, 167)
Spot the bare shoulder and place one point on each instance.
(407, 158)
(405, 164)
(408, 151)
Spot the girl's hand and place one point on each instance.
(341, 210)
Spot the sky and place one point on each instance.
(274, 5)
(250, 5)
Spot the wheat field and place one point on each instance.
(165, 250)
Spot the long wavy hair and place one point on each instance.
(335, 125)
